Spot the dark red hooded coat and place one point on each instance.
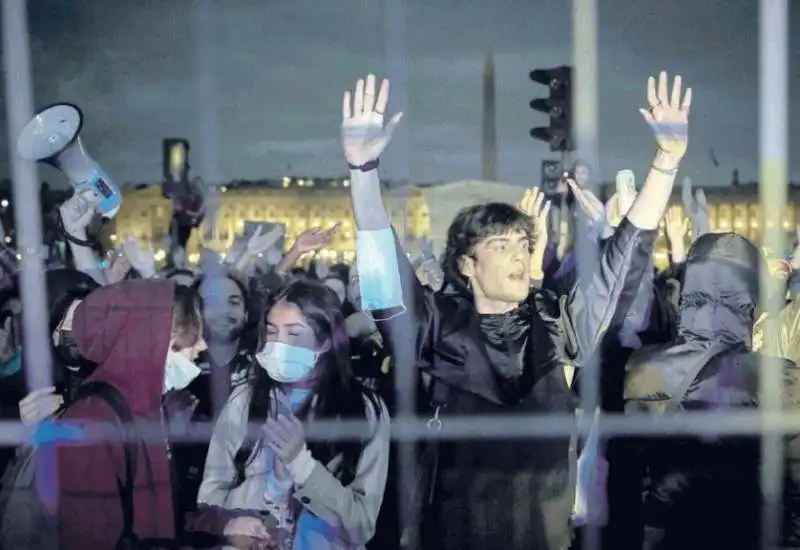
(126, 329)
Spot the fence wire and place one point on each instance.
(769, 422)
(773, 192)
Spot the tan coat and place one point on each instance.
(350, 512)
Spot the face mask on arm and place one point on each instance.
(179, 371)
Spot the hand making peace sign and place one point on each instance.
(363, 134)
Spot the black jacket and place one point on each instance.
(440, 335)
(704, 492)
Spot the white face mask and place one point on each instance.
(179, 371)
(286, 363)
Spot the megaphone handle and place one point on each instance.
(69, 236)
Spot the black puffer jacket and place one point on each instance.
(704, 493)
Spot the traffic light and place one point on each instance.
(557, 106)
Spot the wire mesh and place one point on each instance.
(773, 193)
(770, 421)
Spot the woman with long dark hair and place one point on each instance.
(314, 493)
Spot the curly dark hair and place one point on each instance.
(471, 226)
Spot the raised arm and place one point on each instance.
(602, 300)
(390, 290)
(75, 214)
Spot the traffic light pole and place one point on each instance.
(774, 77)
(585, 135)
(585, 87)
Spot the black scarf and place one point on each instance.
(506, 336)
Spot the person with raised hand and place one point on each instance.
(489, 343)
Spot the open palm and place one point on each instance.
(534, 205)
(314, 239)
(667, 115)
(364, 136)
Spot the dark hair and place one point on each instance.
(337, 394)
(62, 304)
(471, 226)
(187, 316)
(251, 318)
(228, 275)
(340, 270)
(301, 272)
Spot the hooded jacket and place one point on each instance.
(704, 493)
(126, 329)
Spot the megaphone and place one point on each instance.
(52, 137)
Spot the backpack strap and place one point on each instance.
(114, 399)
(674, 403)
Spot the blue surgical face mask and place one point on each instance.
(286, 363)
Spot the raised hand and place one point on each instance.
(314, 239)
(695, 205)
(534, 205)
(143, 261)
(667, 115)
(588, 202)
(594, 209)
(77, 211)
(118, 267)
(676, 225)
(363, 134)
(259, 243)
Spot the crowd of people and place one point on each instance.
(501, 324)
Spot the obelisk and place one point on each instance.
(489, 124)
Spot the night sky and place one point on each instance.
(280, 68)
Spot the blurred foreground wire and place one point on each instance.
(697, 424)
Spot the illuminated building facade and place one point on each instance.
(299, 204)
(302, 203)
(736, 208)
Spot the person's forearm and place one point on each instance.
(368, 208)
(84, 257)
(287, 262)
(677, 252)
(650, 205)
